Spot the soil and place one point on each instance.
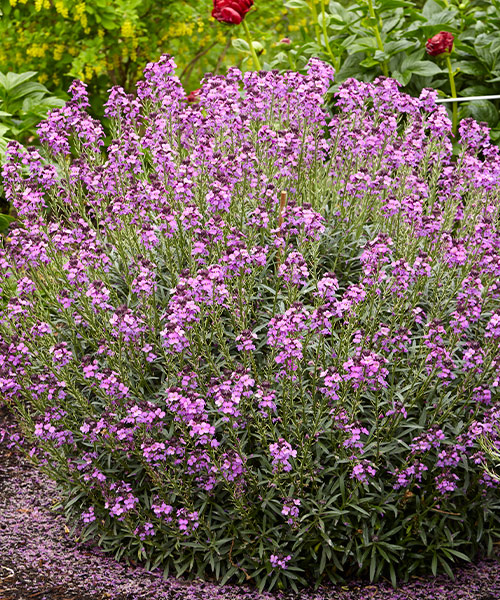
(40, 561)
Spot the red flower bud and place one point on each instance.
(193, 96)
(231, 11)
(439, 43)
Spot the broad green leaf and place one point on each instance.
(13, 80)
(392, 48)
(5, 221)
(481, 110)
(425, 68)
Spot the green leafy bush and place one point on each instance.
(249, 343)
(365, 39)
(107, 42)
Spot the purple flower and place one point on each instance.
(278, 561)
(281, 453)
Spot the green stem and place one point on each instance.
(454, 109)
(380, 44)
(256, 61)
(315, 19)
(325, 35)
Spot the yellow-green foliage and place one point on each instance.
(108, 42)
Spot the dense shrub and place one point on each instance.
(249, 345)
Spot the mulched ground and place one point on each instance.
(39, 560)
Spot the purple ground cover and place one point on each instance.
(39, 559)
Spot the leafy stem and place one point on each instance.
(335, 60)
(453, 95)
(255, 58)
(380, 44)
(315, 19)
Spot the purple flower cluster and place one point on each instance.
(281, 453)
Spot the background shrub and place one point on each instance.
(105, 43)
(251, 344)
(366, 39)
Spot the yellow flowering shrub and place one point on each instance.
(108, 42)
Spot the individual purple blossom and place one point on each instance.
(121, 500)
(61, 354)
(353, 430)
(290, 510)
(174, 338)
(227, 395)
(144, 282)
(99, 295)
(332, 380)
(246, 341)
(266, 399)
(375, 254)
(162, 510)
(427, 440)
(232, 467)
(126, 324)
(301, 221)
(446, 482)
(405, 477)
(187, 522)
(148, 351)
(144, 531)
(286, 334)
(493, 326)
(366, 368)
(88, 516)
(327, 286)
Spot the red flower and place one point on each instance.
(231, 11)
(440, 43)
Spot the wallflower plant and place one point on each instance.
(252, 341)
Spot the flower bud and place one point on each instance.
(231, 12)
(439, 44)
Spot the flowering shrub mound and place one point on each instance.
(253, 342)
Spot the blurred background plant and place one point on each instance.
(108, 42)
(23, 104)
(365, 39)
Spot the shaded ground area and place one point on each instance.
(39, 560)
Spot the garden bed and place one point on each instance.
(39, 560)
